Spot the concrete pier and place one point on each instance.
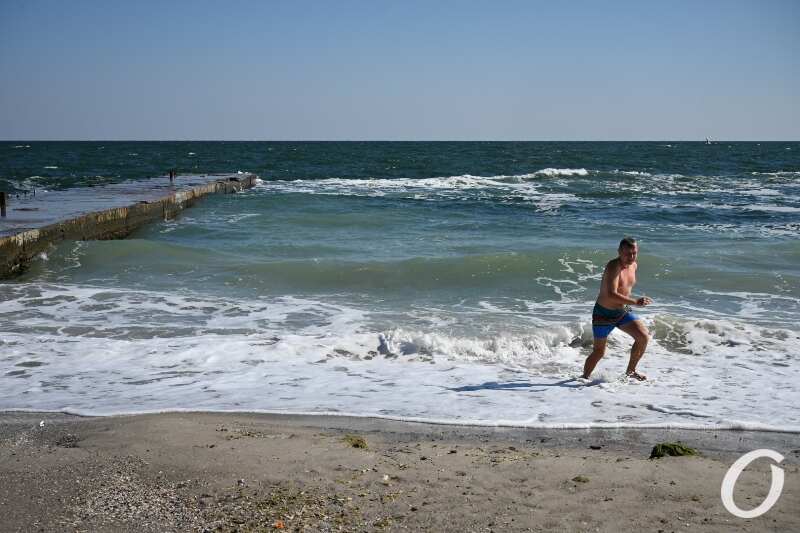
(34, 223)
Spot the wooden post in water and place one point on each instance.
(2, 204)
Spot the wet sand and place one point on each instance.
(245, 472)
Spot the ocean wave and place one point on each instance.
(542, 348)
(96, 313)
(104, 350)
(552, 172)
(93, 312)
(462, 181)
(633, 173)
(504, 188)
(772, 208)
(549, 345)
(759, 191)
(778, 173)
(724, 336)
(746, 207)
(532, 186)
(790, 229)
(109, 259)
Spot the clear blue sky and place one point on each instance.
(400, 70)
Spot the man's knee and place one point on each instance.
(642, 337)
(598, 352)
(640, 332)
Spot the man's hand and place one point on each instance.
(644, 300)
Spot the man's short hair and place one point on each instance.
(627, 242)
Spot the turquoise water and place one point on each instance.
(434, 268)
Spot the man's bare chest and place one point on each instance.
(627, 279)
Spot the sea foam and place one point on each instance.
(95, 350)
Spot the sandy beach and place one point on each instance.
(399, 266)
(248, 472)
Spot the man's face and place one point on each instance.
(627, 254)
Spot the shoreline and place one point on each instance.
(747, 427)
(233, 471)
(726, 442)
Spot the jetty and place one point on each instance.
(35, 221)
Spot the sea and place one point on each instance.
(446, 282)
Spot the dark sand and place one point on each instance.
(245, 472)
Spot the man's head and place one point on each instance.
(628, 250)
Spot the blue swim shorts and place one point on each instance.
(605, 320)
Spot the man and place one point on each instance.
(611, 309)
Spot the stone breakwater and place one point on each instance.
(17, 250)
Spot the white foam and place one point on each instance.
(733, 425)
(746, 207)
(758, 230)
(94, 350)
(760, 192)
(633, 173)
(238, 217)
(466, 186)
(772, 208)
(532, 187)
(673, 184)
(779, 173)
(562, 172)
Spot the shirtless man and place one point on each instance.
(612, 311)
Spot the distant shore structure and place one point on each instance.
(100, 213)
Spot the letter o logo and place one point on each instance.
(728, 482)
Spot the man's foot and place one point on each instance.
(635, 375)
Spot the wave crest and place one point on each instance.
(553, 172)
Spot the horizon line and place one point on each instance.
(714, 141)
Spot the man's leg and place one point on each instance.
(641, 336)
(598, 352)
